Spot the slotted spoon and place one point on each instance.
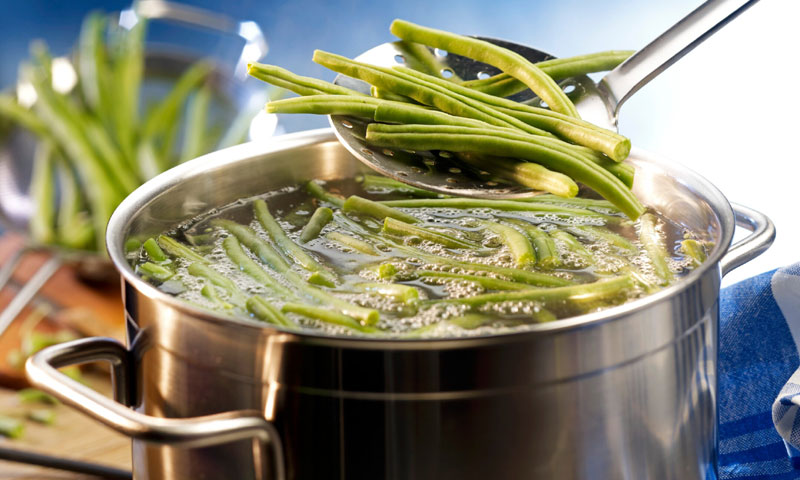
(597, 102)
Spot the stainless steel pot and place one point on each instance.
(625, 393)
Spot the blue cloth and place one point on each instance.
(759, 336)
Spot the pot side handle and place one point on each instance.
(187, 432)
(748, 248)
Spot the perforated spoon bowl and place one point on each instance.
(597, 102)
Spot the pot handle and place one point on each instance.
(188, 432)
(754, 244)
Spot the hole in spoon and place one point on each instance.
(347, 124)
(447, 73)
(451, 180)
(569, 89)
(482, 75)
(440, 53)
(445, 154)
(429, 162)
(388, 153)
(399, 58)
(454, 170)
(402, 174)
(366, 151)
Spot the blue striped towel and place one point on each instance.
(759, 344)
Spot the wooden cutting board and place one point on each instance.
(92, 309)
(72, 435)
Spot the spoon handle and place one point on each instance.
(669, 47)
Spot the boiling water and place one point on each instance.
(292, 207)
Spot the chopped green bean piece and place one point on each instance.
(319, 219)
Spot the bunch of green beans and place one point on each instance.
(96, 145)
(547, 149)
(386, 260)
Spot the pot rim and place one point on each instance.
(139, 198)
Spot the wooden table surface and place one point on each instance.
(97, 309)
(72, 435)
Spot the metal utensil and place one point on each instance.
(597, 102)
(637, 402)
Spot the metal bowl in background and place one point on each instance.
(629, 392)
(180, 35)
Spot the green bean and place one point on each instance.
(315, 190)
(426, 93)
(473, 140)
(381, 184)
(267, 254)
(247, 265)
(527, 174)
(127, 84)
(73, 224)
(195, 134)
(104, 146)
(505, 205)
(547, 256)
(489, 283)
(694, 250)
(328, 316)
(43, 223)
(653, 245)
(575, 247)
(605, 235)
(587, 293)
(384, 94)
(164, 116)
(93, 68)
(210, 292)
(11, 427)
(419, 57)
(356, 106)
(248, 237)
(34, 395)
(154, 251)
(471, 321)
(316, 223)
(156, 271)
(45, 416)
(402, 293)
(352, 242)
(504, 85)
(502, 58)
(582, 133)
(102, 193)
(543, 315)
(516, 274)
(356, 204)
(204, 271)
(403, 229)
(177, 249)
(517, 243)
(387, 270)
(283, 78)
(264, 310)
(20, 115)
(580, 202)
(578, 131)
(290, 248)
